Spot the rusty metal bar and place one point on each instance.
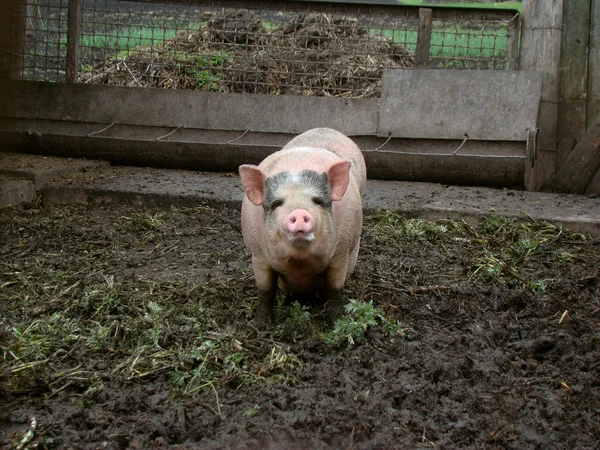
(424, 38)
(73, 33)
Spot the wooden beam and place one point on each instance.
(573, 77)
(582, 164)
(540, 52)
(593, 97)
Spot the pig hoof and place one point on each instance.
(260, 324)
(334, 307)
(334, 314)
(261, 321)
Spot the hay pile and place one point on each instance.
(312, 54)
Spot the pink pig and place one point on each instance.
(302, 218)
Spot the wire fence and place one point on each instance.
(305, 48)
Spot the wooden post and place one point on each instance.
(540, 52)
(572, 107)
(593, 97)
(6, 18)
(424, 38)
(73, 32)
(13, 19)
(582, 164)
(593, 91)
(512, 42)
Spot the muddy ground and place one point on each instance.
(130, 328)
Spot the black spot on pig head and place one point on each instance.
(320, 187)
(309, 183)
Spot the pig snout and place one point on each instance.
(300, 222)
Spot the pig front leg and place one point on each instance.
(335, 277)
(334, 304)
(266, 282)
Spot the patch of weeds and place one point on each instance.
(360, 316)
(46, 335)
(384, 219)
(494, 267)
(206, 70)
(530, 232)
(153, 315)
(296, 322)
(565, 257)
(102, 336)
(204, 78)
(218, 361)
(279, 361)
(388, 227)
(538, 286)
(495, 224)
(252, 411)
(298, 315)
(507, 243)
(420, 229)
(528, 245)
(204, 208)
(95, 393)
(146, 226)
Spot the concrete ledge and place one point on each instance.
(578, 213)
(40, 169)
(14, 192)
(147, 186)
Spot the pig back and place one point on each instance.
(335, 142)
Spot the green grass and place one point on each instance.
(454, 42)
(515, 6)
(448, 42)
(136, 36)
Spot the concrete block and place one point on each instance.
(13, 192)
(446, 104)
(40, 169)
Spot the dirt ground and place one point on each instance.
(130, 328)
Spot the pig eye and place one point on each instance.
(318, 201)
(276, 204)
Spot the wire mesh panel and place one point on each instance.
(471, 40)
(280, 48)
(305, 48)
(41, 39)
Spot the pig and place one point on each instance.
(302, 219)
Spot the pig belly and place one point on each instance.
(298, 282)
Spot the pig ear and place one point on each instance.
(339, 177)
(253, 181)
